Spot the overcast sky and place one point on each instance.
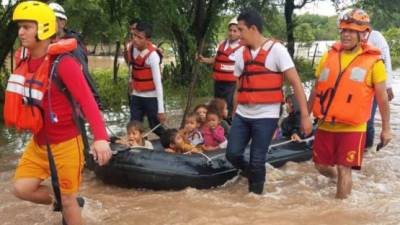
(323, 7)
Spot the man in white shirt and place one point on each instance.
(128, 42)
(224, 80)
(145, 83)
(260, 67)
(378, 40)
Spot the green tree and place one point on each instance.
(322, 27)
(189, 25)
(8, 32)
(97, 20)
(393, 38)
(304, 33)
(384, 13)
(289, 8)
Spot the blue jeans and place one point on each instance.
(370, 126)
(140, 107)
(260, 132)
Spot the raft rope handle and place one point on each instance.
(209, 159)
(150, 131)
(205, 156)
(109, 130)
(289, 141)
(270, 147)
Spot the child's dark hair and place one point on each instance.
(213, 111)
(144, 27)
(133, 21)
(195, 116)
(289, 97)
(199, 106)
(134, 124)
(251, 17)
(219, 105)
(293, 100)
(168, 137)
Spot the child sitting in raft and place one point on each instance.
(221, 107)
(191, 129)
(174, 141)
(134, 137)
(290, 126)
(201, 111)
(213, 133)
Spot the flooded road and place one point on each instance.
(295, 194)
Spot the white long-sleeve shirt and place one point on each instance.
(154, 62)
(378, 40)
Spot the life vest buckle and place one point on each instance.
(53, 117)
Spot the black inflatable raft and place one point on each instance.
(159, 170)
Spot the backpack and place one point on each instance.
(77, 114)
(80, 53)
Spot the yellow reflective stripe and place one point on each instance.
(15, 88)
(16, 78)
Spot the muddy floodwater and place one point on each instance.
(295, 194)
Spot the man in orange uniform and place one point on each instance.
(349, 75)
(56, 146)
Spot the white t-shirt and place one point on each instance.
(378, 40)
(154, 62)
(278, 60)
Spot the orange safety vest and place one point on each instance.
(224, 66)
(343, 94)
(142, 76)
(258, 84)
(21, 54)
(25, 90)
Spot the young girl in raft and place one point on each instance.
(191, 129)
(220, 105)
(134, 137)
(174, 141)
(201, 111)
(212, 131)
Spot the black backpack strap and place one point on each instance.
(76, 113)
(57, 207)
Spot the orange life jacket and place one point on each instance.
(142, 76)
(25, 90)
(21, 54)
(258, 84)
(343, 94)
(224, 66)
